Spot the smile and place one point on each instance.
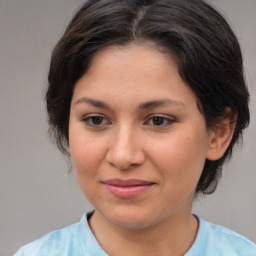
(127, 188)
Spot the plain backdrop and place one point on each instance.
(36, 193)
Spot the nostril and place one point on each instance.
(120, 162)
(125, 159)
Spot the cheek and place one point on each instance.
(180, 160)
(86, 157)
(86, 153)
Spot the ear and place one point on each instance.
(221, 136)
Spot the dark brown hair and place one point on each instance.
(207, 52)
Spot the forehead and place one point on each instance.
(130, 62)
(133, 71)
(132, 55)
(143, 47)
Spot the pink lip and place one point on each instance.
(127, 188)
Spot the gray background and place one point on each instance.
(36, 193)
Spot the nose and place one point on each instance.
(125, 149)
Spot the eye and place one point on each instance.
(159, 121)
(95, 120)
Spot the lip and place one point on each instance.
(127, 188)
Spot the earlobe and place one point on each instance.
(221, 136)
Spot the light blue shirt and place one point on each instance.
(78, 240)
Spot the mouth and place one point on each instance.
(127, 188)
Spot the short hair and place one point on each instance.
(194, 33)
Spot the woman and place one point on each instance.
(148, 99)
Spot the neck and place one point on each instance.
(172, 237)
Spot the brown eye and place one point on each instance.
(157, 121)
(160, 121)
(96, 120)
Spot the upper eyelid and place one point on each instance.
(148, 117)
(87, 117)
(93, 115)
(161, 115)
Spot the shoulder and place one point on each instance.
(76, 239)
(52, 242)
(229, 236)
(218, 240)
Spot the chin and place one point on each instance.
(132, 219)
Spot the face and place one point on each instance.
(137, 139)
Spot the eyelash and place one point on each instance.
(165, 119)
(103, 121)
(88, 120)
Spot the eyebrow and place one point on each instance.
(160, 102)
(145, 105)
(93, 102)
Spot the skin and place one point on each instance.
(125, 142)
